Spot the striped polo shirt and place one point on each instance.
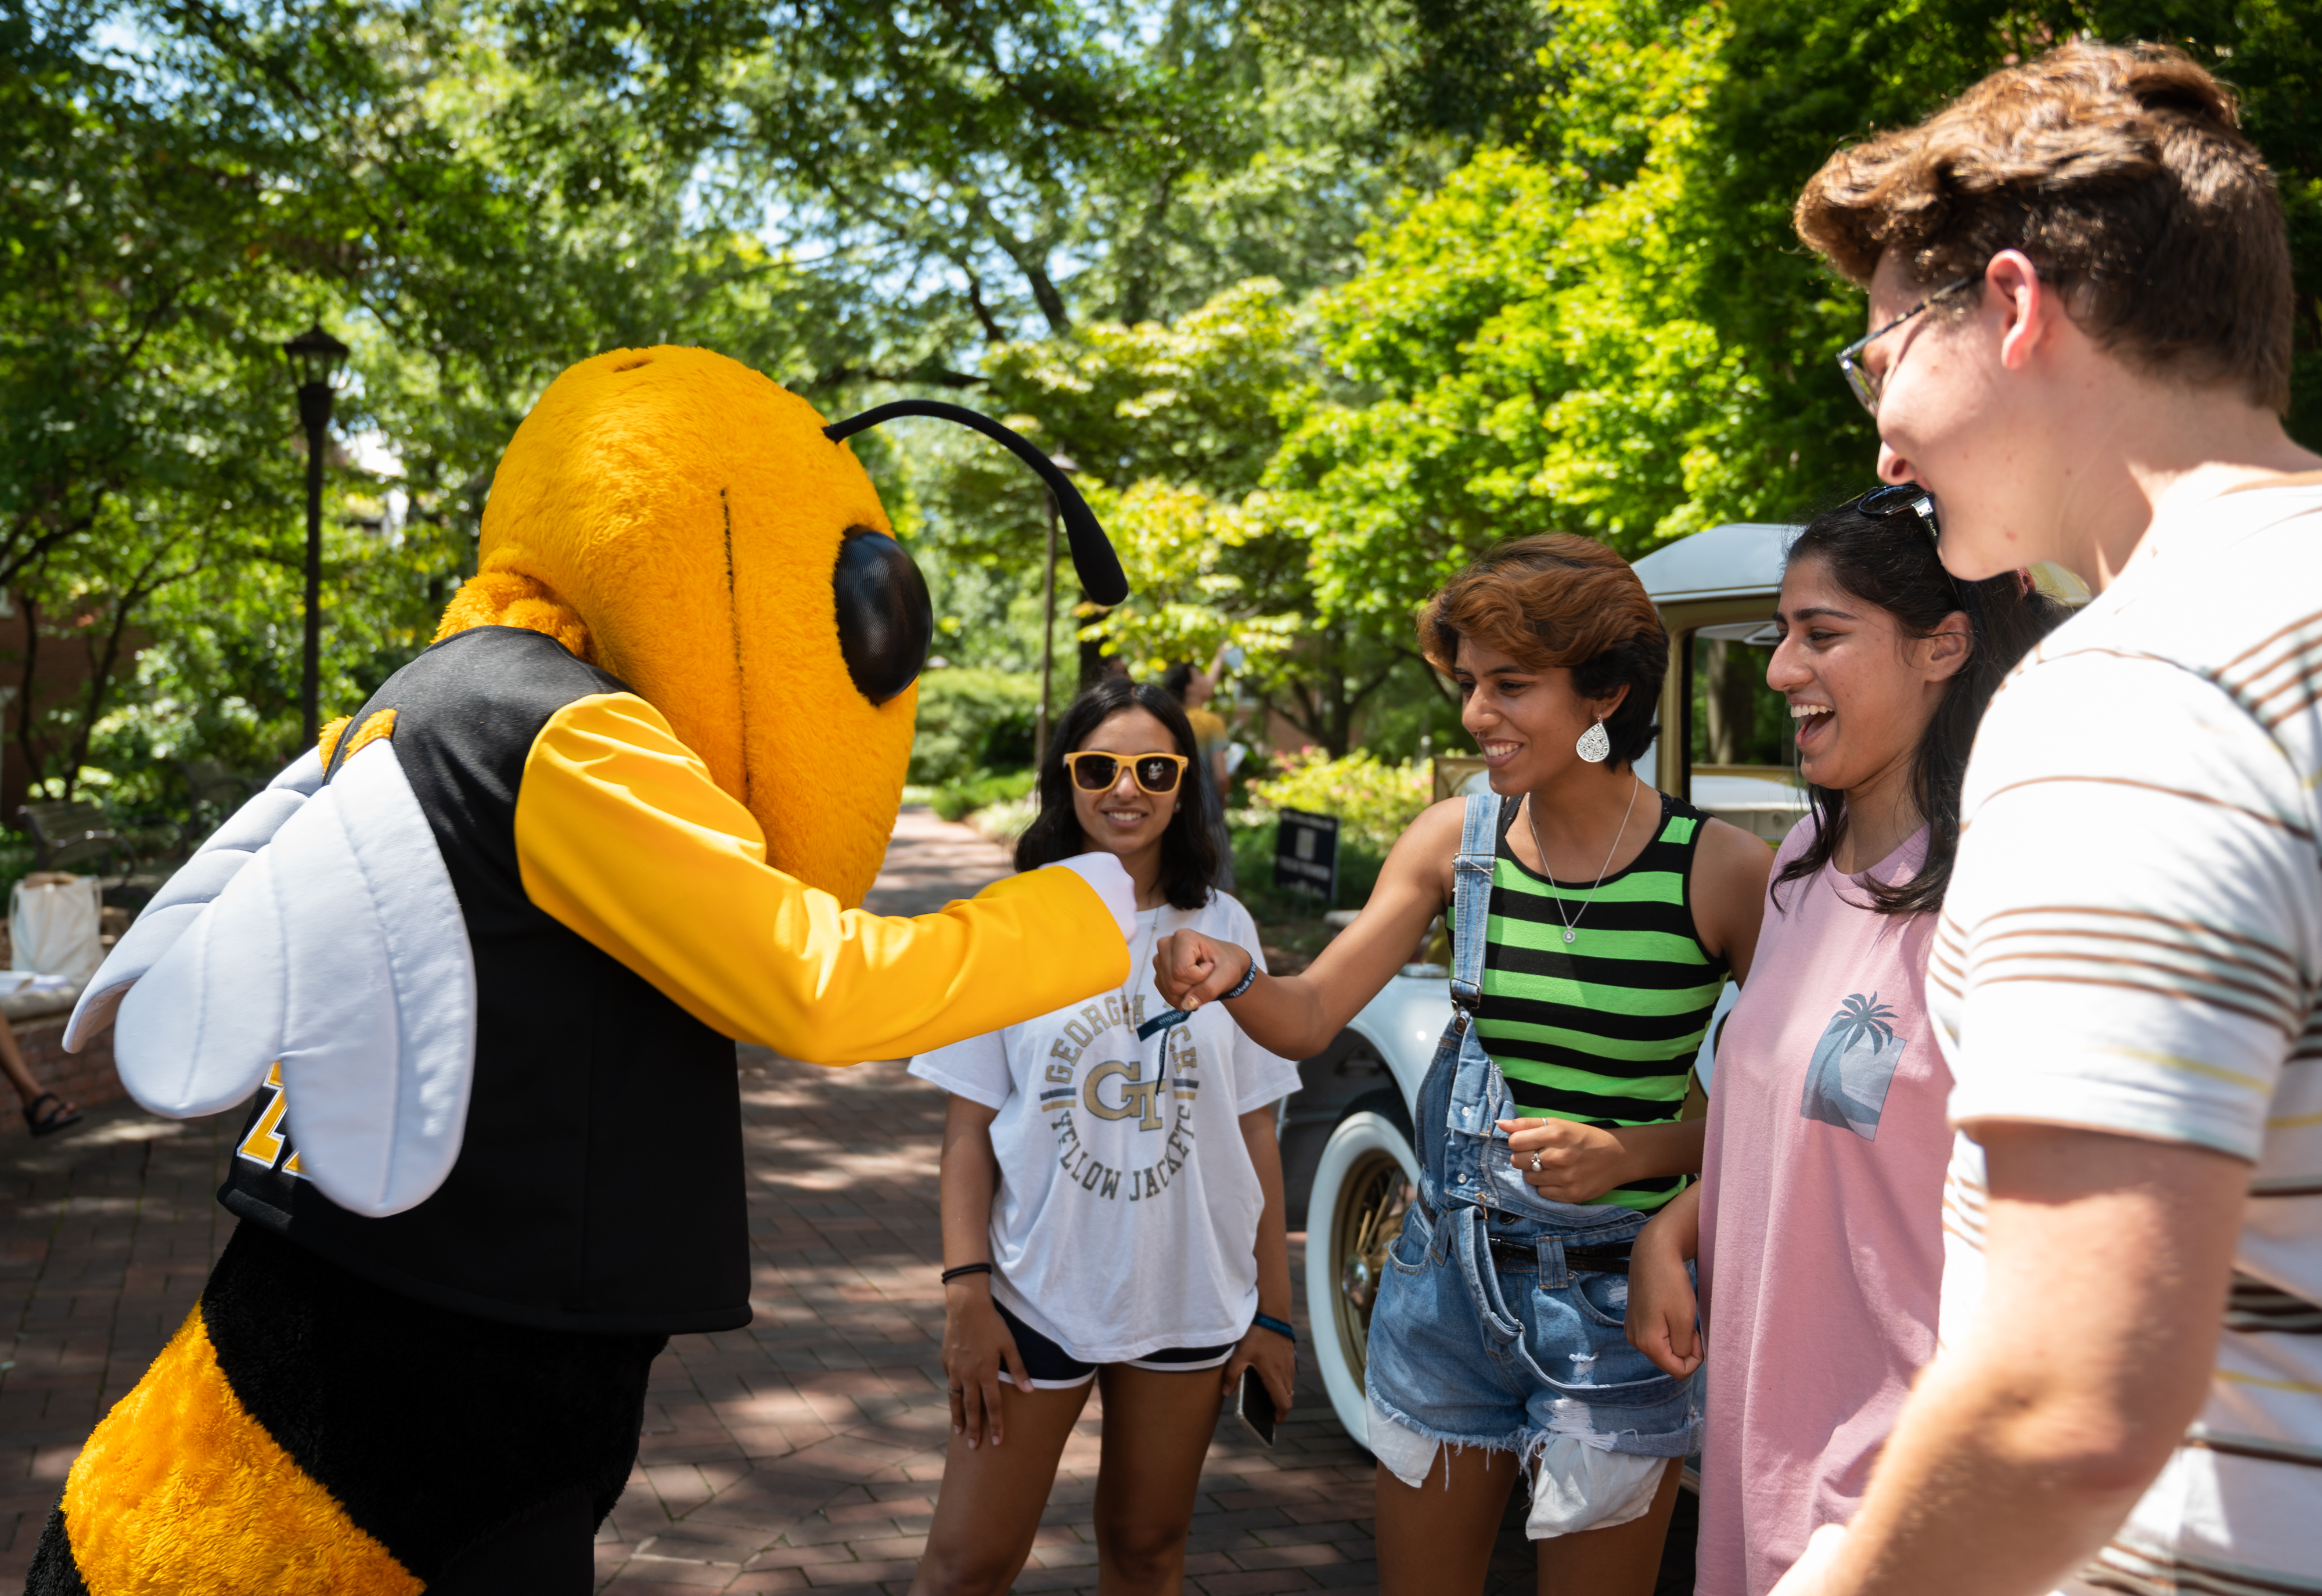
(2132, 942)
(1601, 1028)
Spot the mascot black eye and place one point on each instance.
(885, 621)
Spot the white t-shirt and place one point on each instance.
(1127, 1215)
(2132, 942)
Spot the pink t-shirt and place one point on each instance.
(1822, 1252)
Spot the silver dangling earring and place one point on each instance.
(1595, 744)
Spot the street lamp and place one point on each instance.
(317, 358)
(1065, 463)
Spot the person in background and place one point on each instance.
(1816, 1218)
(1195, 690)
(1593, 923)
(2079, 340)
(1112, 1208)
(45, 1112)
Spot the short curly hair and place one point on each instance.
(2121, 171)
(1560, 602)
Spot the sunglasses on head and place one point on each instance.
(1898, 496)
(1157, 773)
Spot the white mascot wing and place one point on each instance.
(177, 905)
(325, 933)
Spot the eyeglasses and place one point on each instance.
(1898, 496)
(1865, 386)
(1157, 773)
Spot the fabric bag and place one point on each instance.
(52, 925)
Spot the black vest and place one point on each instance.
(599, 1184)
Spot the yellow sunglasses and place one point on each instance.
(1157, 773)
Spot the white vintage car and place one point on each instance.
(1347, 1131)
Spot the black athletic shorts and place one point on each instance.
(1052, 1368)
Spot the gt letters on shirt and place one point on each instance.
(1127, 1210)
(1117, 1089)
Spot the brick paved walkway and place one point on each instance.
(802, 1453)
(930, 862)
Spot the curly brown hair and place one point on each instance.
(2120, 171)
(1560, 602)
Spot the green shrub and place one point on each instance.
(1373, 800)
(1007, 820)
(955, 800)
(1253, 851)
(972, 721)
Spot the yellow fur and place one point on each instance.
(328, 741)
(507, 598)
(608, 528)
(380, 724)
(180, 1492)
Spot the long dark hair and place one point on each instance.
(1189, 851)
(1891, 562)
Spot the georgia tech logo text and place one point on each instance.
(1118, 1091)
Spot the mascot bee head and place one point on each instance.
(684, 523)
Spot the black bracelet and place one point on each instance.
(950, 1275)
(1248, 976)
(1279, 1326)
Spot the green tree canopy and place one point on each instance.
(1322, 299)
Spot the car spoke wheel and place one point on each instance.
(1365, 1184)
(1371, 1205)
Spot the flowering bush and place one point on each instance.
(1373, 800)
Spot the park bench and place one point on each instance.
(66, 833)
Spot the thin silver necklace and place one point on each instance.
(1137, 971)
(1532, 820)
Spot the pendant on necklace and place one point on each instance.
(1571, 936)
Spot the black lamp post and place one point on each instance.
(318, 358)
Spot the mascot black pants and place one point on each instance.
(308, 1431)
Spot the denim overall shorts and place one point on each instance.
(1491, 1329)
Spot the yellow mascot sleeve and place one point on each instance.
(623, 837)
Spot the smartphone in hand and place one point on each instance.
(1253, 1406)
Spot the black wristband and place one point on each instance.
(1240, 987)
(950, 1275)
(1280, 1328)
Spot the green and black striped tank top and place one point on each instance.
(1603, 1029)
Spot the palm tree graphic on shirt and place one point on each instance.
(1853, 1064)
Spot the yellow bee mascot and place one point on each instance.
(482, 958)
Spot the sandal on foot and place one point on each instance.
(59, 1115)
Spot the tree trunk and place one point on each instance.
(1325, 706)
(26, 744)
(99, 679)
(1733, 702)
(1094, 662)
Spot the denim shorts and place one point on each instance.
(1483, 1336)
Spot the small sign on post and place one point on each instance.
(1306, 853)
